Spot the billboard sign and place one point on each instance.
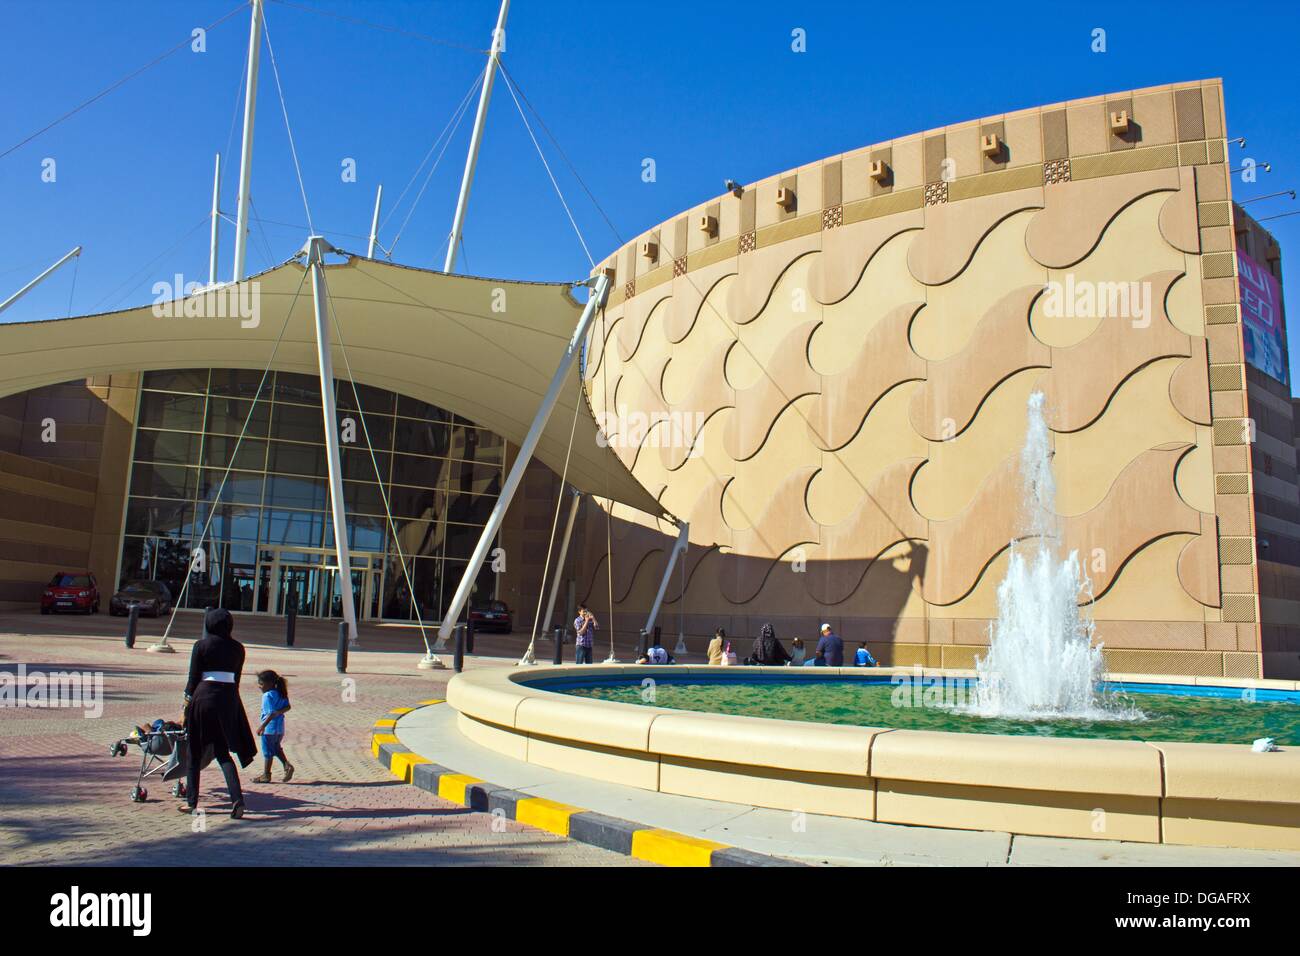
(1261, 315)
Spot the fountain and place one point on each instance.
(845, 742)
(1041, 661)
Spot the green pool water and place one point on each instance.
(1168, 716)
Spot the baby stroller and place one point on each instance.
(163, 750)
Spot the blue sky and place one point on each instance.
(708, 90)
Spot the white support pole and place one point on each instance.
(246, 148)
(216, 218)
(679, 548)
(476, 138)
(316, 248)
(530, 656)
(374, 224)
(38, 280)
(525, 455)
(681, 607)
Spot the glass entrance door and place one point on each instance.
(264, 587)
(365, 593)
(300, 587)
(310, 579)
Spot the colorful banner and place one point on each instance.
(1261, 313)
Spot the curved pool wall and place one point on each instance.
(1149, 792)
(1126, 711)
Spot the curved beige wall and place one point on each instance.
(1198, 794)
(849, 368)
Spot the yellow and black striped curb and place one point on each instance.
(586, 826)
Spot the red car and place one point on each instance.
(71, 591)
(491, 616)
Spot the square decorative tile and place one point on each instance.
(629, 289)
(936, 193)
(679, 266)
(832, 217)
(748, 242)
(1056, 171)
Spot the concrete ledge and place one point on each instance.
(1268, 826)
(1201, 794)
(1216, 772)
(789, 744)
(1016, 810)
(1023, 763)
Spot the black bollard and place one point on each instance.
(559, 646)
(290, 624)
(132, 620)
(459, 657)
(642, 644)
(469, 637)
(341, 660)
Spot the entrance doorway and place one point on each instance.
(310, 581)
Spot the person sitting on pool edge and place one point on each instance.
(717, 646)
(767, 650)
(863, 657)
(656, 653)
(798, 653)
(830, 650)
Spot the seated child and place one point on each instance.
(656, 654)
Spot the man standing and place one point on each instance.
(830, 650)
(584, 625)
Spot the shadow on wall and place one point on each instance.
(863, 599)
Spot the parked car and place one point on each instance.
(71, 591)
(152, 597)
(491, 616)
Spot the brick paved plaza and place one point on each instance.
(64, 800)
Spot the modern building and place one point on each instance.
(168, 449)
(837, 361)
(825, 374)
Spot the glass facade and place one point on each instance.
(261, 536)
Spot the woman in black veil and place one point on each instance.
(767, 649)
(214, 714)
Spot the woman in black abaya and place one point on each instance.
(767, 649)
(214, 714)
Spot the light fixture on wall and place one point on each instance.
(709, 225)
(734, 188)
(785, 198)
(879, 170)
(1119, 122)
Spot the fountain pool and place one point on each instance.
(884, 745)
(1165, 712)
(1037, 740)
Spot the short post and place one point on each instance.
(469, 637)
(132, 620)
(559, 646)
(341, 659)
(290, 623)
(458, 659)
(642, 644)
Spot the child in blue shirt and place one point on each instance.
(863, 657)
(275, 702)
